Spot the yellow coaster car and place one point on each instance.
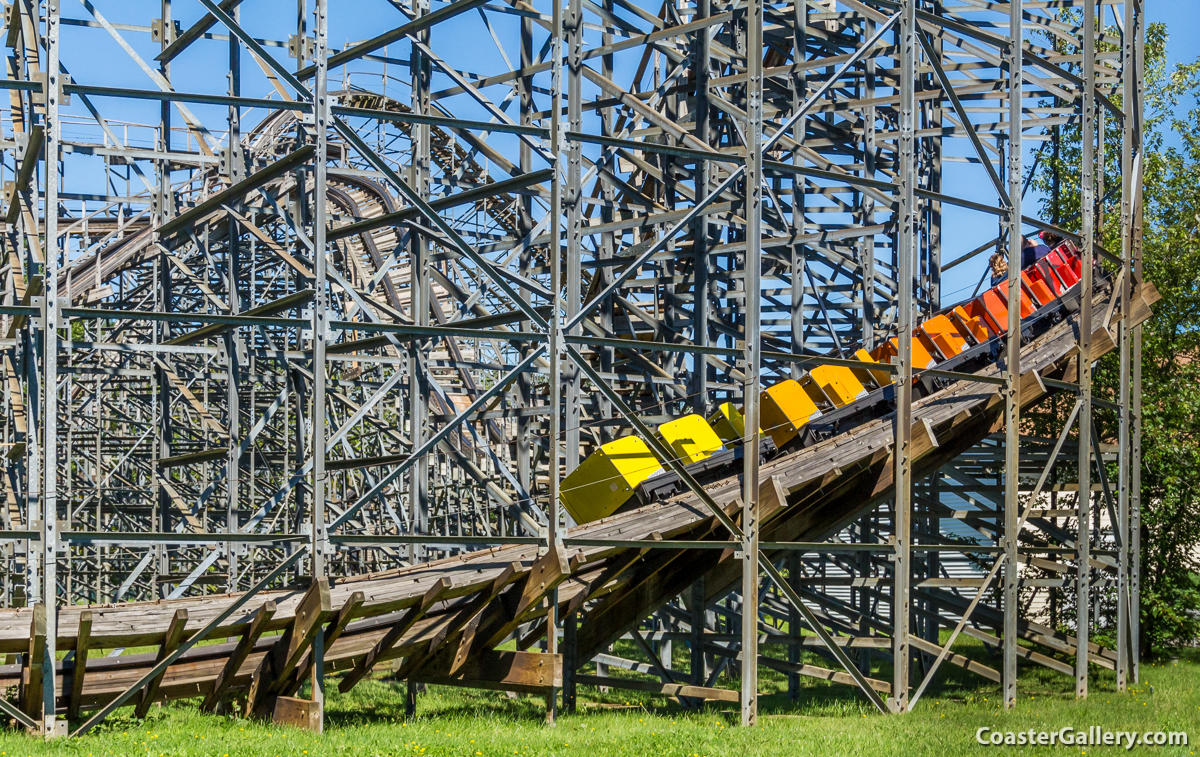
(729, 423)
(605, 480)
(690, 438)
(839, 384)
(785, 408)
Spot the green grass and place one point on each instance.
(828, 720)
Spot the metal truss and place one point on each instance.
(271, 302)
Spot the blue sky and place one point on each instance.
(1182, 18)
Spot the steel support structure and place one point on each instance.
(369, 307)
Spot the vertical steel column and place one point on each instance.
(524, 382)
(233, 284)
(299, 209)
(865, 245)
(1135, 27)
(1131, 160)
(934, 212)
(906, 243)
(49, 514)
(799, 91)
(1087, 229)
(419, 289)
(1012, 360)
(574, 203)
(753, 357)
(554, 326)
(608, 240)
(701, 54)
(320, 541)
(163, 297)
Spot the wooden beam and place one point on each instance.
(332, 633)
(295, 300)
(238, 656)
(505, 670)
(193, 458)
(199, 407)
(33, 154)
(450, 633)
(966, 663)
(82, 644)
(274, 246)
(279, 662)
(395, 633)
(31, 673)
(16, 400)
(547, 572)
(825, 674)
(171, 232)
(170, 642)
(655, 687)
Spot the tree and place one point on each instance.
(1170, 476)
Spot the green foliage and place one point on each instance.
(1170, 476)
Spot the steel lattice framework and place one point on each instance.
(347, 310)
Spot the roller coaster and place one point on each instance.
(829, 400)
(433, 360)
(444, 621)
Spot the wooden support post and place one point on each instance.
(410, 698)
(283, 657)
(170, 642)
(570, 647)
(297, 713)
(432, 596)
(31, 675)
(82, 643)
(238, 657)
(332, 633)
(544, 576)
